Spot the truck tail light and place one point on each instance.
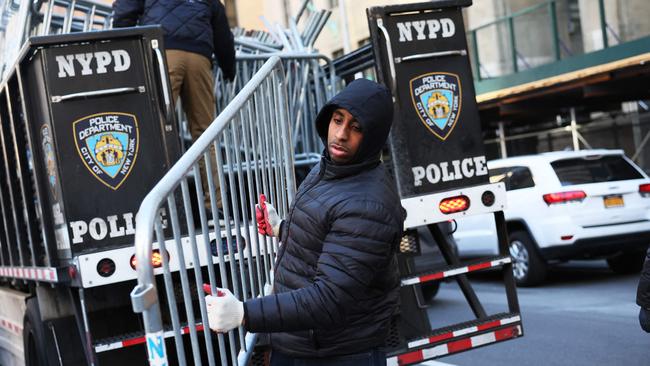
(561, 197)
(106, 267)
(644, 189)
(156, 259)
(454, 204)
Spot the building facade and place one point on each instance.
(549, 74)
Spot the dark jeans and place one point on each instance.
(369, 358)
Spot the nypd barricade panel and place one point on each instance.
(441, 173)
(104, 141)
(436, 141)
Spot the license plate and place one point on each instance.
(613, 201)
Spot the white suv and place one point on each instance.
(566, 205)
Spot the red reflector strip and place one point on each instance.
(412, 357)
(460, 345)
(43, 274)
(455, 271)
(476, 267)
(464, 331)
(139, 340)
(455, 346)
(431, 277)
(439, 337)
(490, 325)
(132, 342)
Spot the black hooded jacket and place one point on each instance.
(336, 280)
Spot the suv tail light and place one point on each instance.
(561, 197)
(644, 189)
(454, 204)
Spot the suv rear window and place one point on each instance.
(514, 177)
(594, 170)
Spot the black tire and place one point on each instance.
(33, 335)
(430, 290)
(627, 263)
(528, 267)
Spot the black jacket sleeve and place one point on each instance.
(358, 246)
(127, 12)
(224, 44)
(643, 291)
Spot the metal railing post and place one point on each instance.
(603, 22)
(574, 130)
(513, 43)
(476, 61)
(556, 37)
(502, 140)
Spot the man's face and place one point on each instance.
(344, 136)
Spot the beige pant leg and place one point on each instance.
(197, 95)
(176, 67)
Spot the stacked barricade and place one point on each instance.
(20, 20)
(310, 76)
(249, 144)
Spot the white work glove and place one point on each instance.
(268, 220)
(225, 312)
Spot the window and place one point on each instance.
(594, 169)
(337, 53)
(363, 42)
(514, 177)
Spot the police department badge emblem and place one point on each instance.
(108, 145)
(437, 99)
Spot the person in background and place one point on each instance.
(336, 283)
(195, 31)
(643, 295)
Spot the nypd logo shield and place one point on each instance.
(107, 143)
(437, 100)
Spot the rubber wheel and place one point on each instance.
(33, 335)
(528, 267)
(430, 289)
(627, 263)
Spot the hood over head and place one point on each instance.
(371, 105)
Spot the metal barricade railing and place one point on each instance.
(311, 81)
(65, 16)
(20, 20)
(249, 146)
(311, 78)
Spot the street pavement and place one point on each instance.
(583, 315)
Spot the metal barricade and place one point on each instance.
(311, 81)
(20, 20)
(249, 144)
(65, 16)
(311, 78)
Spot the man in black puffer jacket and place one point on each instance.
(336, 279)
(194, 31)
(643, 295)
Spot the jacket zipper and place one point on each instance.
(321, 173)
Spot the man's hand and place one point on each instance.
(225, 312)
(268, 220)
